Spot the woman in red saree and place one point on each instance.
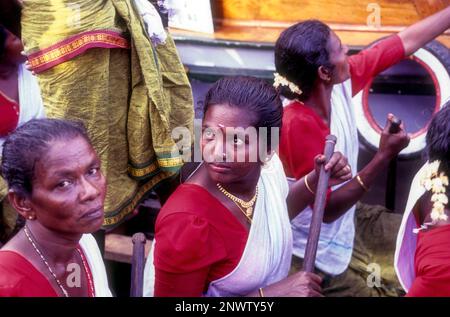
(422, 256)
(226, 232)
(55, 183)
(20, 101)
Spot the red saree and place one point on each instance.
(432, 263)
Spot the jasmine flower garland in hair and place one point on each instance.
(436, 182)
(282, 81)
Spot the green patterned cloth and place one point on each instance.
(129, 99)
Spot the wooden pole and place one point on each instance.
(319, 207)
(391, 181)
(137, 265)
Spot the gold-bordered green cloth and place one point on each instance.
(130, 99)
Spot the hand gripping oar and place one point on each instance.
(319, 206)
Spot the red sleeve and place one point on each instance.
(190, 284)
(301, 140)
(186, 247)
(19, 278)
(9, 115)
(371, 61)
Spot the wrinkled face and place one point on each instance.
(229, 143)
(13, 48)
(68, 188)
(338, 57)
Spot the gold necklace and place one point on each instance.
(27, 233)
(64, 291)
(247, 205)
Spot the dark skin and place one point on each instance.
(390, 144)
(413, 38)
(9, 65)
(422, 211)
(67, 201)
(240, 178)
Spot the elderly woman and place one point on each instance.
(422, 257)
(55, 183)
(226, 232)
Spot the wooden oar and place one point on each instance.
(391, 182)
(319, 206)
(137, 265)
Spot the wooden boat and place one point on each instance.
(263, 20)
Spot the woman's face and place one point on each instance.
(13, 48)
(230, 155)
(338, 57)
(68, 188)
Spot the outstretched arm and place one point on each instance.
(422, 32)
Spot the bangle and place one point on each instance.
(261, 293)
(305, 179)
(358, 178)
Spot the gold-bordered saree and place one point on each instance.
(95, 64)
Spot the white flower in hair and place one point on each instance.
(282, 81)
(435, 182)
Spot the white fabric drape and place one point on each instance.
(31, 106)
(336, 239)
(96, 264)
(30, 101)
(407, 240)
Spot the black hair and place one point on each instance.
(438, 139)
(299, 52)
(24, 147)
(3, 36)
(251, 94)
(10, 13)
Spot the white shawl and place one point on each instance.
(30, 101)
(96, 265)
(336, 239)
(267, 254)
(31, 106)
(407, 240)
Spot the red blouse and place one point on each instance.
(9, 115)
(432, 263)
(303, 132)
(198, 240)
(19, 278)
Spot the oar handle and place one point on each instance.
(319, 206)
(137, 265)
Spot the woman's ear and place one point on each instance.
(324, 74)
(21, 204)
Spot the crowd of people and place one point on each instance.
(86, 114)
